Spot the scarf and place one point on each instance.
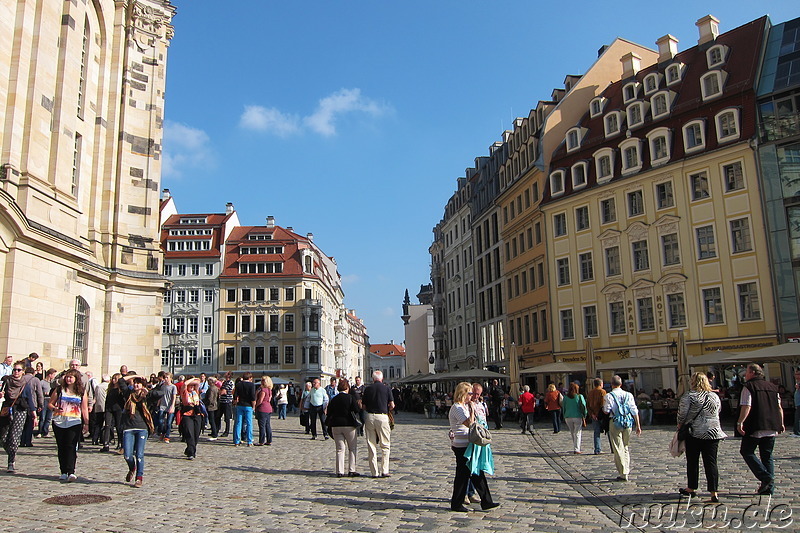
(15, 386)
(136, 400)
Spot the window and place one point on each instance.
(195, 270)
(670, 250)
(660, 104)
(209, 269)
(245, 323)
(740, 235)
(567, 324)
(711, 84)
(674, 73)
(230, 324)
(631, 160)
(659, 140)
(635, 114)
(168, 297)
(611, 123)
(167, 270)
(596, 106)
(651, 82)
(586, 266)
(246, 295)
(288, 355)
(616, 312)
(590, 321)
(693, 138)
(641, 259)
(715, 55)
(313, 322)
(260, 323)
(582, 218)
(562, 268)
(194, 296)
(230, 355)
(244, 355)
(635, 203)
(273, 355)
(613, 266)
(231, 295)
(76, 164)
(706, 246)
(733, 176)
(712, 305)
(727, 125)
(604, 164)
(579, 172)
(749, 307)
(273, 323)
(191, 356)
(164, 357)
(178, 354)
(664, 195)
(193, 323)
(560, 224)
(179, 325)
(208, 295)
(260, 295)
(698, 182)
(274, 295)
(677, 310)
(180, 296)
(557, 183)
(288, 323)
(289, 294)
(313, 355)
(165, 326)
(608, 210)
(573, 139)
(646, 317)
(206, 324)
(629, 92)
(181, 270)
(206, 356)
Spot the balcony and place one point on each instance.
(307, 302)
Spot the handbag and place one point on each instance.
(304, 419)
(357, 423)
(479, 435)
(685, 431)
(8, 410)
(677, 446)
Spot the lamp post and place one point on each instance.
(673, 350)
(173, 341)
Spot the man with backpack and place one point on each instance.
(621, 408)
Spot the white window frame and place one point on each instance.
(554, 176)
(573, 139)
(721, 76)
(635, 144)
(642, 108)
(652, 82)
(722, 52)
(721, 305)
(574, 171)
(618, 117)
(739, 309)
(668, 97)
(685, 129)
(657, 133)
(678, 69)
(718, 123)
(588, 218)
(600, 103)
(598, 155)
(749, 235)
(632, 87)
(723, 173)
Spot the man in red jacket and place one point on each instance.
(527, 404)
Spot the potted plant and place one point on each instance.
(645, 412)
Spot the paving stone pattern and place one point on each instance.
(290, 485)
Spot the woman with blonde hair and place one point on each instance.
(264, 412)
(700, 408)
(462, 415)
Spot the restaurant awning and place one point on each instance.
(555, 368)
(779, 353)
(635, 363)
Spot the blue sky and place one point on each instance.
(353, 120)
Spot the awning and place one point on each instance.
(635, 363)
(555, 368)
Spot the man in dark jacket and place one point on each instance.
(760, 421)
(496, 397)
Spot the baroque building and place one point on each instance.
(82, 106)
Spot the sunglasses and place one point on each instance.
(17, 370)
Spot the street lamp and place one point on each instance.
(673, 350)
(173, 341)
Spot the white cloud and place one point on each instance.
(322, 121)
(185, 148)
(269, 120)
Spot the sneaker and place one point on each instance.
(10, 468)
(166, 440)
(71, 478)
(467, 500)
(212, 438)
(62, 477)
(249, 444)
(130, 475)
(138, 483)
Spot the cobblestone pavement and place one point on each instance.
(290, 486)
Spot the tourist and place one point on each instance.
(575, 415)
(317, 403)
(244, 396)
(115, 405)
(357, 390)
(34, 395)
(225, 403)
(595, 401)
(264, 412)
(377, 401)
(70, 419)
(342, 420)
(282, 401)
(552, 402)
(621, 406)
(136, 425)
(304, 406)
(527, 406)
(191, 416)
(47, 414)
(496, 397)
(15, 409)
(212, 406)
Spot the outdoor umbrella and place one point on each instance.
(634, 363)
(714, 358)
(780, 353)
(591, 365)
(554, 368)
(477, 373)
(683, 365)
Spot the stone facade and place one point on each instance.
(80, 149)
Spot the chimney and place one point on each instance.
(270, 221)
(165, 194)
(602, 50)
(310, 237)
(667, 47)
(709, 29)
(631, 64)
(289, 228)
(228, 208)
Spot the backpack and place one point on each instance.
(622, 416)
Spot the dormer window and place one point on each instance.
(579, 173)
(693, 136)
(557, 183)
(631, 156)
(715, 56)
(604, 164)
(674, 73)
(727, 123)
(651, 82)
(660, 141)
(660, 104)
(635, 113)
(629, 92)
(596, 106)
(711, 84)
(574, 139)
(611, 123)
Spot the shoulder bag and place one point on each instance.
(685, 431)
(479, 435)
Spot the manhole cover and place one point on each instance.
(77, 499)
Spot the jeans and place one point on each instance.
(133, 441)
(281, 411)
(67, 443)
(244, 421)
(556, 416)
(225, 410)
(44, 421)
(264, 427)
(113, 421)
(460, 482)
(214, 423)
(166, 423)
(597, 427)
(763, 468)
(708, 448)
(497, 414)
